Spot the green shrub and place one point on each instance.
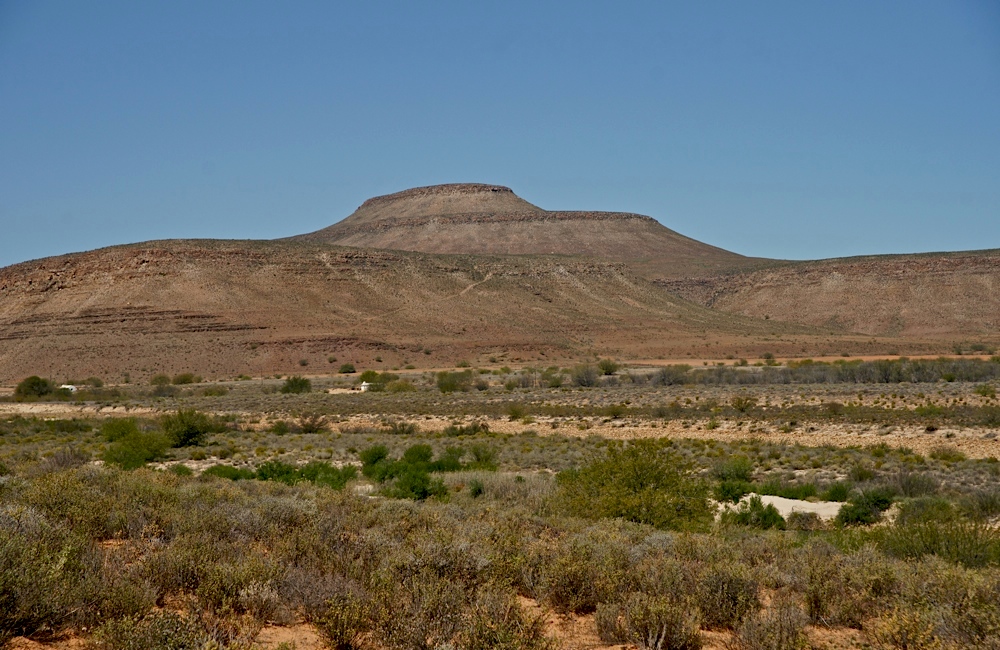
(117, 428)
(296, 384)
(414, 482)
(185, 378)
(607, 366)
(229, 472)
(865, 508)
(450, 382)
(985, 390)
(400, 386)
(743, 403)
(972, 545)
(775, 487)
(159, 380)
(731, 491)
(277, 471)
(484, 457)
(839, 491)
(188, 427)
(860, 473)
(584, 375)
(137, 449)
(643, 481)
(947, 454)
(734, 468)
(476, 488)
(347, 368)
(33, 387)
(374, 461)
(754, 514)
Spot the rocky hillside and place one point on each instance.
(221, 308)
(952, 296)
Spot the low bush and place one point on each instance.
(188, 427)
(450, 382)
(185, 378)
(472, 429)
(972, 545)
(734, 468)
(838, 491)
(136, 449)
(315, 472)
(651, 622)
(642, 481)
(411, 474)
(116, 428)
(777, 488)
(731, 491)
(296, 385)
(162, 630)
(754, 514)
(496, 621)
(727, 596)
(607, 366)
(865, 508)
(229, 472)
(947, 454)
(585, 376)
(33, 387)
(781, 627)
(402, 428)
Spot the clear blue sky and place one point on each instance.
(781, 129)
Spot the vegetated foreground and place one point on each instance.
(473, 509)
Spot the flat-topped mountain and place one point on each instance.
(479, 219)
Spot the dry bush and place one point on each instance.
(496, 622)
(650, 622)
(904, 628)
(578, 574)
(782, 627)
(843, 589)
(726, 596)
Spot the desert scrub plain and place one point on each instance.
(585, 507)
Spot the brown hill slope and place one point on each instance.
(952, 296)
(482, 219)
(221, 308)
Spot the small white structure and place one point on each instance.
(69, 387)
(365, 386)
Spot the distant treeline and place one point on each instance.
(885, 371)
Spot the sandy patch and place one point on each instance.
(825, 509)
(63, 410)
(971, 441)
(303, 636)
